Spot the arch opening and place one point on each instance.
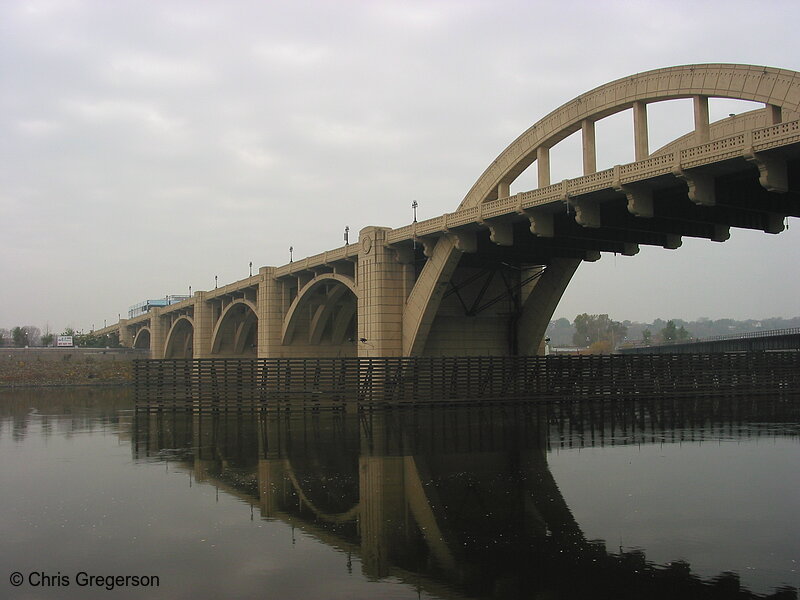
(323, 317)
(142, 339)
(180, 339)
(236, 332)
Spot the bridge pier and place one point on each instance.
(270, 317)
(158, 334)
(383, 283)
(125, 335)
(203, 326)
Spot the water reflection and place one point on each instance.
(66, 411)
(461, 502)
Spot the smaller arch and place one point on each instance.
(142, 338)
(246, 329)
(325, 311)
(180, 338)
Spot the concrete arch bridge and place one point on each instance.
(486, 278)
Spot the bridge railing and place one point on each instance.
(733, 146)
(753, 334)
(717, 338)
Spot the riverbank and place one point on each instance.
(48, 367)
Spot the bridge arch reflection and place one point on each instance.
(464, 497)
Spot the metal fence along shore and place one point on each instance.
(353, 382)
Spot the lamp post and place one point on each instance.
(346, 235)
(291, 250)
(414, 206)
(251, 268)
(215, 282)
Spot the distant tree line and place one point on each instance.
(599, 333)
(31, 336)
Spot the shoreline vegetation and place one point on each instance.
(35, 369)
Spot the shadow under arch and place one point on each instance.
(180, 338)
(325, 310)
(236, 331)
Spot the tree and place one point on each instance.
(93, 340)
(646, 336)
(20, 336)
(590, 329)
(670, 332)
(47, 339)
(560, 332)
(34, 335)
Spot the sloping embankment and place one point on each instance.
(52, 367)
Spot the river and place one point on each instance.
(663, 498)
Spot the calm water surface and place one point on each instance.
(659, 499)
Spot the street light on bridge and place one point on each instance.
(346, 235)
(291, 250)
(251, 268)
(414, 206)
(215, 281)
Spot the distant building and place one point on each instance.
(143, 307)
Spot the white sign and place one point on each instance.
(64, 341)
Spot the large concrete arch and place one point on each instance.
(179, 342)
(236, 331)
(774, 87)
(335, 312)
(777, 88)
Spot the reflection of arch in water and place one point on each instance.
(394, 517)
(335, 518)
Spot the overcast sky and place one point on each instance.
(146, 147)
